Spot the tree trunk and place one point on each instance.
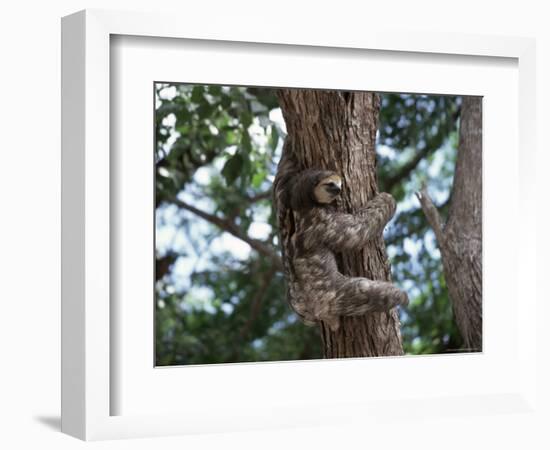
(460, 239)
(337, 131)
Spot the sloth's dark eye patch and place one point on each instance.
(332, 187)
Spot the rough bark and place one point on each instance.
(337, 131)
(460, 239)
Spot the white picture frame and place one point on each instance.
(87, 378)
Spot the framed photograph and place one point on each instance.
(264, 230)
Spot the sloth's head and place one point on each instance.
(315, 187)
(328, 188)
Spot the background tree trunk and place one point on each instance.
(460, 239)
(337, 131)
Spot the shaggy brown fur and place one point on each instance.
(316, 289)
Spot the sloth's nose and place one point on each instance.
(333, 188)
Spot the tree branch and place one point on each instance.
(163, 264)
(405, 170)
(260, 196)
(249, 200)
(231, 228)
(432, 215)
(394, 238)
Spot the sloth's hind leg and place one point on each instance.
(358, 296)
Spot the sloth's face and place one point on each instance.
(328, 189)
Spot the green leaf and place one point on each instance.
(197, 96)
(215, 90)
(226, 101)
(245, 173)
(232, 168)
(246, 119)
(205, 110)
(258, 179)
(274, 137)
(231, 138)
(246, 142)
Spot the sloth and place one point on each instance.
(313, 232)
